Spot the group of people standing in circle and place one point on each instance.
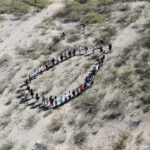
(54, 101)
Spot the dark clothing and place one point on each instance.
(26, 82)
(28, 88)
(61, 57)
(102, 59)
(53, 61)
(101, 41)
(110, 47)
(69, 53)
(51, 100)
(32, 93)
(30, 79)
(65, 56)
(74, 52)
(37, 97)
(101, 49)
(86, 49)
(46, 66)
(73, 93)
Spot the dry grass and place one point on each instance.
(76, 11)
(80, 137)
(21, 7)
(73, 38)
(121, 144)
(30, 122)
(146, 39)
(4, 59)
(55, 125)
(3, 87)
(89, 104)
(8, 145)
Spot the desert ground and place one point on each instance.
(114, 114)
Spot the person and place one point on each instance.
(30, 79)
(78, 91)
(57, 60)
(55, 100)
(81, 88)
(61, 100)
(65, 56)
(69, 54)
(93, 49)
(102, 58)
(86, 79)
(53, 62)
(74, 52)
(41, 69)
(65, 96)
(63, 35)
(37, 97)
(110, 47)
(46, 101)
(43, 100)
(94, 71)
(46, 66)
(33, 74)
(32, 93)
(97, 66)
(61, 57)
(51, 100)
(69, 95)
(26, 82)
(101, 49)
(102, 41)
(74, 93)
(28, 88)
(86, 49)
(80, 49)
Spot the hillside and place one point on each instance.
(114, 113)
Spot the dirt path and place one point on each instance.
(21, 32)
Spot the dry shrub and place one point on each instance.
(3, 87)
(73, 38)
(4, 122)
(4, 59)
(89, 104)
(93, 17)
(55, 125)
(146, 40)
(8, 145)
(38, 3)
(30, 122)
(110, 32)
(80, 137)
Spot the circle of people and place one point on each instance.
(54, 101)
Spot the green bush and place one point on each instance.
(38, 3)
(18, 7)
(110, 31)
(21, 7)
(93, 17)
(76, 11)
(146, 40)
(4, 6)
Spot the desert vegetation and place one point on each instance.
(21, 7)
(114, 113)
